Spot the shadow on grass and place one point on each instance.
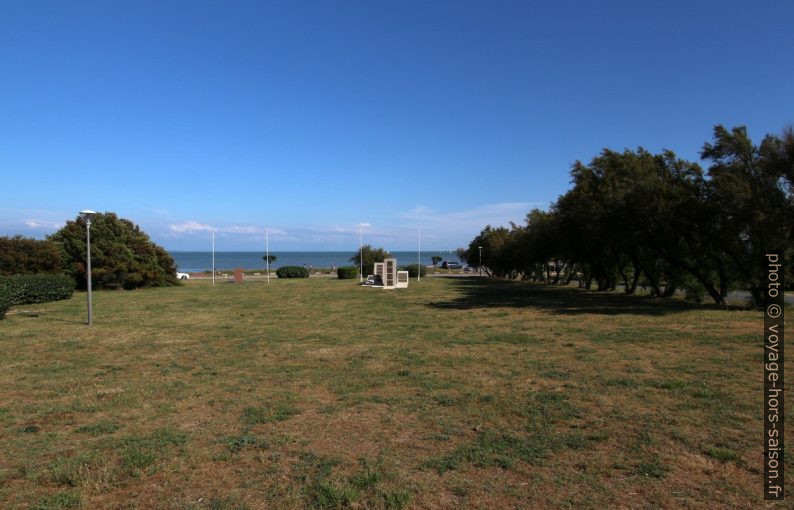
(487, 293)
(40, 316)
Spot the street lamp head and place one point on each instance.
(87, 214)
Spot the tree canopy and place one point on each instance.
(370, 255)
(22, 255)
(122, 255)
(634, 218)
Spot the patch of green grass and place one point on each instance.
(330, 494)
(98, 429)
(621, 382)
(268, 413)
(395, 499)
(722, 454)
(237, 443)
(540, 439)
(58, 501)
(70, 471)
(556, 374)
(651, 467)
(134, 459)
(141, 451)
(444, 400)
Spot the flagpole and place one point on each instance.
(360, 252)
(213, 257)
(267, 253)
(419, 256)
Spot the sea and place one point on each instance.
(197, 261)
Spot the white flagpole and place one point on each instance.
(267, 251)
(419, 256)
(360, 252)
(213, 257)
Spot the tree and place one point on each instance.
(463, 254)
(436, 259)
(494, 253)
(269, 259)
(22, 255)
(653, 220)
(122, 255)
(371, 255)
(752, 186)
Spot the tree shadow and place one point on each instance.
(476, 293)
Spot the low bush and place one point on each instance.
(33, 288)
(292, 272)
(5, 301)
(347, 272)
(413, 269)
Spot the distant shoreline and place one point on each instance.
(201, 261)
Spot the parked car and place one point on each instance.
(182, 276)
(451, 265)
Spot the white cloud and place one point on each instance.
(49, 225)
(191, 226)
(240, 229)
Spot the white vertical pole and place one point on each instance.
(419, 256)
(360, 253)
(267, 256)
(213, 257)
(88, 272)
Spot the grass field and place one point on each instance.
(317, 393)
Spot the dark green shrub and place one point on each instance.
(5, 301)
(122, 255)
(292, 272)
(413, 269)
(347, 272)
(25, 289)
(22, 255)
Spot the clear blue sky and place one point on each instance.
(310, 117)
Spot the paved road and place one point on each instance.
(742, 295)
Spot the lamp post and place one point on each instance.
(480, 267)
(87, 215)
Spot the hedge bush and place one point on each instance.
(292, 272)
(5, 301)
(413, 269)
(347, 272)
(25, 289)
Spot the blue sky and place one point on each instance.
(309, 118)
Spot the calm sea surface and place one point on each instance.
(193, 261)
